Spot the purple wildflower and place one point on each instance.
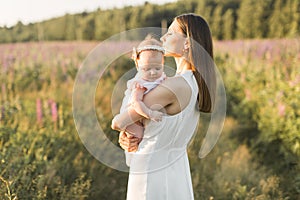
(4, 66)
(54, 111)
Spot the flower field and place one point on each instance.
(42, 157)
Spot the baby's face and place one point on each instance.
(150, 65)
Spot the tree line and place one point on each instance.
(228, 19)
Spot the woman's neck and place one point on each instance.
(182, 65)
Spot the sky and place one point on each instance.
(30, 11)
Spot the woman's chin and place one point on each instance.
(168, 54)
(171, 54)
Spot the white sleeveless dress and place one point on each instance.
(160, 169)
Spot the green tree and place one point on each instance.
(245, 19)
(108, 23)
(287, 16)
(277, 18)
(55, 29)
(228, 24)
(17, 30)
(216, 25)
(135, 14)
(78, 31)
(70, 33)
(260, 18)
(98, 23)
(205, 9)
(5, 35)
(88, 28)
(40, 31)
(294, 25)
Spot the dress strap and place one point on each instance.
(191, 80)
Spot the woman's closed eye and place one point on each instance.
(169, 33)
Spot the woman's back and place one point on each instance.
(159, 169)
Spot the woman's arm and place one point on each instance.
(160, 97)
(173, 95)
(139, 106)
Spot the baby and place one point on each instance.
(149, 58)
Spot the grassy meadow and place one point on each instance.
(42, 157)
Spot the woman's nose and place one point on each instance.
(162, 38)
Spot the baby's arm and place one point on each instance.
(139, 106)
(134, 128)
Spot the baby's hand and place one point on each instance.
(155, 115)
(138, 85)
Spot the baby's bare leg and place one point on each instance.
(136, 129)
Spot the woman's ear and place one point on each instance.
(186, 44)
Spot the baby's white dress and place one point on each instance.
(160, 170)
(149, 85)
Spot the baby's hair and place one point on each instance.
(149, 40)
(148, 44)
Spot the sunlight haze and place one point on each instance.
(28, 11)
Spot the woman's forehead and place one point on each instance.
(175, 27)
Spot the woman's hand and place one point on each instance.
(129, 142)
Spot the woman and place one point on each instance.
(160, 167)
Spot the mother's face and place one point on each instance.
(174, 40)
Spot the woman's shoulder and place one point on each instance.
(166, 90)
(175, 82)
(169, 94)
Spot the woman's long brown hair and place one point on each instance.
(200, 56)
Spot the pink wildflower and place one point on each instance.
(248, 94)
(281, 109)
(39, 111)
(54, 111)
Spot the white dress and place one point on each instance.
(160, 170)
(149, 85)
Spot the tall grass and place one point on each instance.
(257, 156)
